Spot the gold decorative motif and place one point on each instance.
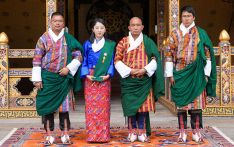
(3, 39)
(21, 53)
(104, 57)
(51, 6)
(225, 69)
(218, 111)
(25, 102)
(224, 36)
(166, 41)
(13, 91)
(20, 72)
(9, 114)
(3, 71)
(174, 6)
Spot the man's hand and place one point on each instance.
(38, 85)
(64, 71)
(133, 71)
(105, 77)
(141, 72)
(172, 81)
(89, 77)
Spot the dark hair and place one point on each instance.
(188, 9)
(96, 20)
(56, 14)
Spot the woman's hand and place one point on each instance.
(89, 77)
(105, 77)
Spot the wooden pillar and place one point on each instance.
(225, 80)
(161, 24)
(152, 17)
(174, 9)
(172, 23)
(51, 6)
(225, 68)
(4, 90)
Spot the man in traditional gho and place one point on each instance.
(139, 64)
(55, 73)
(191, 68)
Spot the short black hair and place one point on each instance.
(96, 20)
(56, 14)
(188, 9)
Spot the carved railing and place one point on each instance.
(223, 103)
(17, 93)
(14, 101)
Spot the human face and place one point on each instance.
(135, 27)
(57, 23)
(99, 30)
(187, 18)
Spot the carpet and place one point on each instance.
(34, 137)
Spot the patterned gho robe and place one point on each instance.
(135, 59)
(52, 56)
(138, 94)
(183, 51)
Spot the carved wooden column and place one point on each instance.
(4, 71)
(174, 10)
(225, 68)
(173, 22)
(51, 7)
(161, 24)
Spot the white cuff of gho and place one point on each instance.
(207, 68)
(122, 69)
(73, 66)
(36, 74)
(168, 69)
(151, 67)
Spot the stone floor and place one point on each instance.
(162, 117)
